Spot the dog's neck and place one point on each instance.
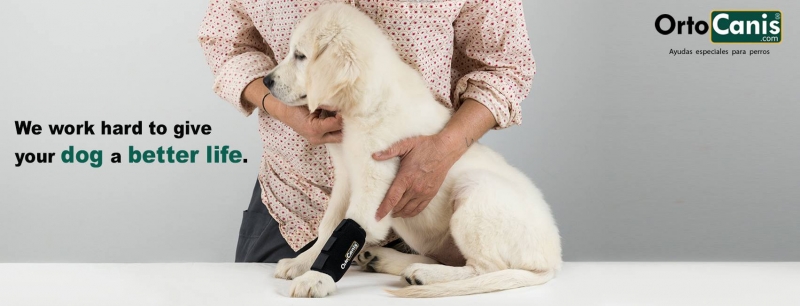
(381, 97)
(382, 105)
(372, 95)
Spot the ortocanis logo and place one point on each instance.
(743, 27)
(349, 255)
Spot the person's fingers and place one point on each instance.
(397, 149)
(332, 137)
(393, 196)
(328, 125)
(418, 209)
(409, 208)
(406, 200)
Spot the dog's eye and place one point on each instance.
(299, 56)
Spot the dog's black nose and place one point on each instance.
(268, 81)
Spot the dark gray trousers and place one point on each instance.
(259, 237)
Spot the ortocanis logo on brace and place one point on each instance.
(729, 26)
(350, 252)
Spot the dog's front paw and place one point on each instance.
(312, 284)
(368, 259)
(290, 268)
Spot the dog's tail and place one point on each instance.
(489, 282)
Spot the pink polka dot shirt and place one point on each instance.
(464, 49)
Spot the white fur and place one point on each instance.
(340, 60)
(312, 284)
(388, 260)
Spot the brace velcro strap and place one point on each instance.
(340, 250)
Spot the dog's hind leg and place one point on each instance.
(491, 226)
(388, 260)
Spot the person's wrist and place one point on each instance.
(254, 93)
(264, 102)
(452, 141)
(275, 108)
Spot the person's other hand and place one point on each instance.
(424, 163)
(314, 127)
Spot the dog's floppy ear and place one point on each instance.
(332, 72)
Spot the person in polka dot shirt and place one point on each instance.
(475, 56)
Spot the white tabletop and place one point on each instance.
(579, 283)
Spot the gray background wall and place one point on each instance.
(642, 155)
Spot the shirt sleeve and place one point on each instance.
(235, 51)
(492, 60)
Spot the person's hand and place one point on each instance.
(314, 127)
(424, 163)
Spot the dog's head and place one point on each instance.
(323, 68)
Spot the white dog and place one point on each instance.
(340, 60)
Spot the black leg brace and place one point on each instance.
(340, 250)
